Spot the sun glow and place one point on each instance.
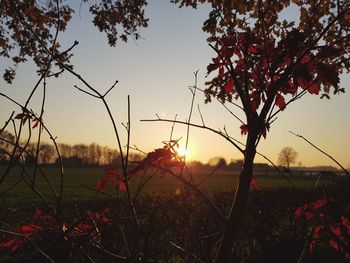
(183, 152)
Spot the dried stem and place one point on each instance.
(317, 148)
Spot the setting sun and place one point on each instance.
(182, 151)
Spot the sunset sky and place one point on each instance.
(156, 72)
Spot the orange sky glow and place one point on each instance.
(156, 71)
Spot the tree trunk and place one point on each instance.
(239, 204)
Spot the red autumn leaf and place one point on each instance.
(37, 121)
(309, 215)
(313, 89)
(255, 102)
(318, 204)
(265, 130)
(302, 83)
(26, 230)
(228, 41)
(346, 223)
(306, 59)
(112, 176)
(316, 231)
(83, 227)
(333, 244)
(312, 246)
(290, 88)
(328, 74)
(252, 49)
(337, 231)
(280, 101)
(112, 170)
(19, 116)
(226, 52)
(8, 244)
(105, 220)
(298, 212)
(311, 66)
(29, 230)
(229, 86)
(241, 65)
(22, 116)
(327, 52)
(212, 67)
(254, 183)
(122, 187)
(244, 129)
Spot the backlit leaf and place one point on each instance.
(280, 101)
(229, 86)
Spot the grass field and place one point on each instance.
(268, 230)
(80, 184)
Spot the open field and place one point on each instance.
(80, 184)
(268, 232)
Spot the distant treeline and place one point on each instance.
(88, 155)
(79, 155)
(72, 155)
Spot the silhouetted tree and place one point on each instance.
(286, 157)
(266, 63)
(217, 161)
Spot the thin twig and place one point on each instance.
(125, 241)
(115, 83)
(200, 114)
(172, 128)
(201, 127)
(7, 122)
(39, 131)
(88, 93)
(317, 148)
(186, 251)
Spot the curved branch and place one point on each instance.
(201, 127)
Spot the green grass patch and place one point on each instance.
(80, 184)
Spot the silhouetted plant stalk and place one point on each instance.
(39, 123)
(19, 151)
(94, 93)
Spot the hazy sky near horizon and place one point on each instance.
(156, 72)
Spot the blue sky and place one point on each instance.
(156, 72)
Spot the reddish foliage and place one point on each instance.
(24, 116)
(112, 176)
(257, 67)
(254, 183)
(280, 101)
(122, 186)
(265, 129)
(244, 129)
(25, 233)
(229, 86)
(324, 220)
(163, 159)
